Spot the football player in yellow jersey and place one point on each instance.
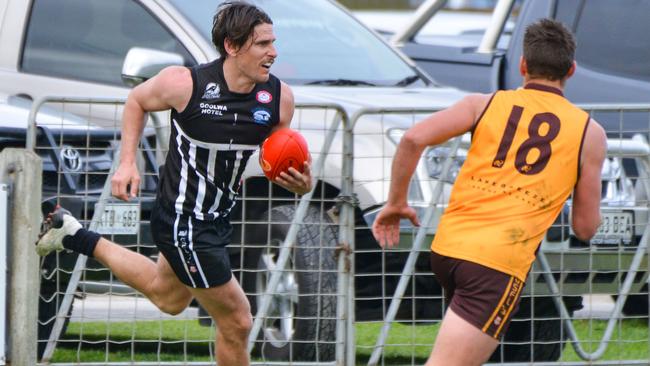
(531, 149)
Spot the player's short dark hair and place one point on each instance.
(236, 20)
(549, 49)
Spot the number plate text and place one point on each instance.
(119, 219)
(616, 228)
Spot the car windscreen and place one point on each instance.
(317, 43)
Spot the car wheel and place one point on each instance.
(637, 305)
(545, 328)
(301, 322)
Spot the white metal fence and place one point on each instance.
(612, 271)
(321, 290)
(4, 236)
(289, 271)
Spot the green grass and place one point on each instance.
(628, 342)
(407, 344)
(123, 341)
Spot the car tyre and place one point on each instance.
(302, 324)
(637, 305)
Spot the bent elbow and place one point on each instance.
(411, 140)
(585, 234)
(585, 230)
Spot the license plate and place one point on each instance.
(119, 219)
(616, 228)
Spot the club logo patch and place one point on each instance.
(261, 116)
(264, 96)
(212, 91)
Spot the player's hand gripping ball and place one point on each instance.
(283, 149)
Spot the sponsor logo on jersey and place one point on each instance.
(261, 116)
(212, 91)
(264, 96)
(213, 109)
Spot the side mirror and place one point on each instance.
(141, 64)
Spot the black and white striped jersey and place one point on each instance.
(212, 140)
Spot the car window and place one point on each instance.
(88, 39)
(316, 41)
(567, 12)
(611, 38)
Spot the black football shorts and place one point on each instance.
(195, 249)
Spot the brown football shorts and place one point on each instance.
(484, 297)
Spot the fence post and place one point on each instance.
(4, 236)
(22, 170)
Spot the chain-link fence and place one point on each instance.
(593, 296)
(289, 271)
(320, 287)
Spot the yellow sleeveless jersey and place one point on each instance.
(521, 167)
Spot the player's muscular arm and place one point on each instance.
(287, 106)
(433, 130)
(171, 88)
(586, 195)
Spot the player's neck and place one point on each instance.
(558, 84)
(237, 81)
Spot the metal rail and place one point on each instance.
(104, 196)
(497, 24)
(641, 151)
(345, 234)
(287, 245)
(421, 17)
(431, 215)
(345, 333)
(636, 147)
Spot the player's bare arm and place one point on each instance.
(171, 88)
(433, 130)
(586, 195)
(294, 181)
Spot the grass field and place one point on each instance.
(163, 341)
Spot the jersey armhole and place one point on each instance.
(480, 117)
(582, 142)
(277, 100)
(190, 103)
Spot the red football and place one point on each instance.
(283, 149)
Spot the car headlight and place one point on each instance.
(435, 158)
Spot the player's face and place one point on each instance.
(258, 54)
